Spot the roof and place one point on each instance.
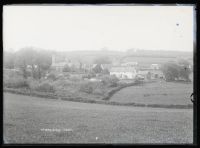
(155, 64)
(130, 63)
(60, 64)
(143, 72)
(122, 69)
(106, 66)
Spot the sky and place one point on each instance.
(89, 27)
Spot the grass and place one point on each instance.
(25, 117)
(160, 93)
(152, 94)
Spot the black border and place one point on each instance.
(108, 2)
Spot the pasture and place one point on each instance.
(160, 92)
(38, 120)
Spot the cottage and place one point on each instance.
(145, 74)
(130, 64)
(154, 66)
(59, 62)
(123, 72)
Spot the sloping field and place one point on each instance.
(166, 93)
(38, 120)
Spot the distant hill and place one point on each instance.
(144, 57)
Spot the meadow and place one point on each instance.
(31, 120)
(159, 92)
(108, 91)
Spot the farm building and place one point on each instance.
(155, 73)
(59, 62)
(106, 66)
(145, 74)
(154, 66)
(129, 64)
(123, 72)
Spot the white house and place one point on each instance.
(123, 72)
(59, 62)
(130, 64)
(154, 66)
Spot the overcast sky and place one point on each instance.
(95, 27)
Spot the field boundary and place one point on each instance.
(85, 100)
(112, 92)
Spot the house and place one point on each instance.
(58, 62)
(123, 72)
(106, 66)
(153, 73)
(130, 64)
(157, 74)
(154, 66)
(144, 74)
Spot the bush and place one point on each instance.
(110, 81)
(75, 78)
(99, 91)
(89, 75)
(44, 87)
(67, 69)
(86, 87)
(16, 83)
(174, 71)
(62, 84)
(51, 76)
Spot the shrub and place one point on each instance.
(16, 83)
(75, 78)
(110, 81)
(99, 91)
(51, 76)
(67, 69)
(33, 83)
(86, 87)
(62, 83)
(105, 71)
(44, 87)
(89, 75)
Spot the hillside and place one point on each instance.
(143, 57)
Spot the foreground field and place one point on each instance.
(156, 93)
(38, 120)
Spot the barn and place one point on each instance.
(123, 72)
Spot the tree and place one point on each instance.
(183, 62)
(176, 70)
(97, 68)
(43, 62)
(184, 73)
(170, 71)
(8, 60)
(105, 71)
(40, 61)
(184, 70)
(102, 60)
(25, 57)
(66, 68)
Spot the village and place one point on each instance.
(99, 74)
(126, 71)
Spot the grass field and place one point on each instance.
(25, 119)
(156, 93)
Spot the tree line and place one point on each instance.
(39, 61)
(176, 70)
